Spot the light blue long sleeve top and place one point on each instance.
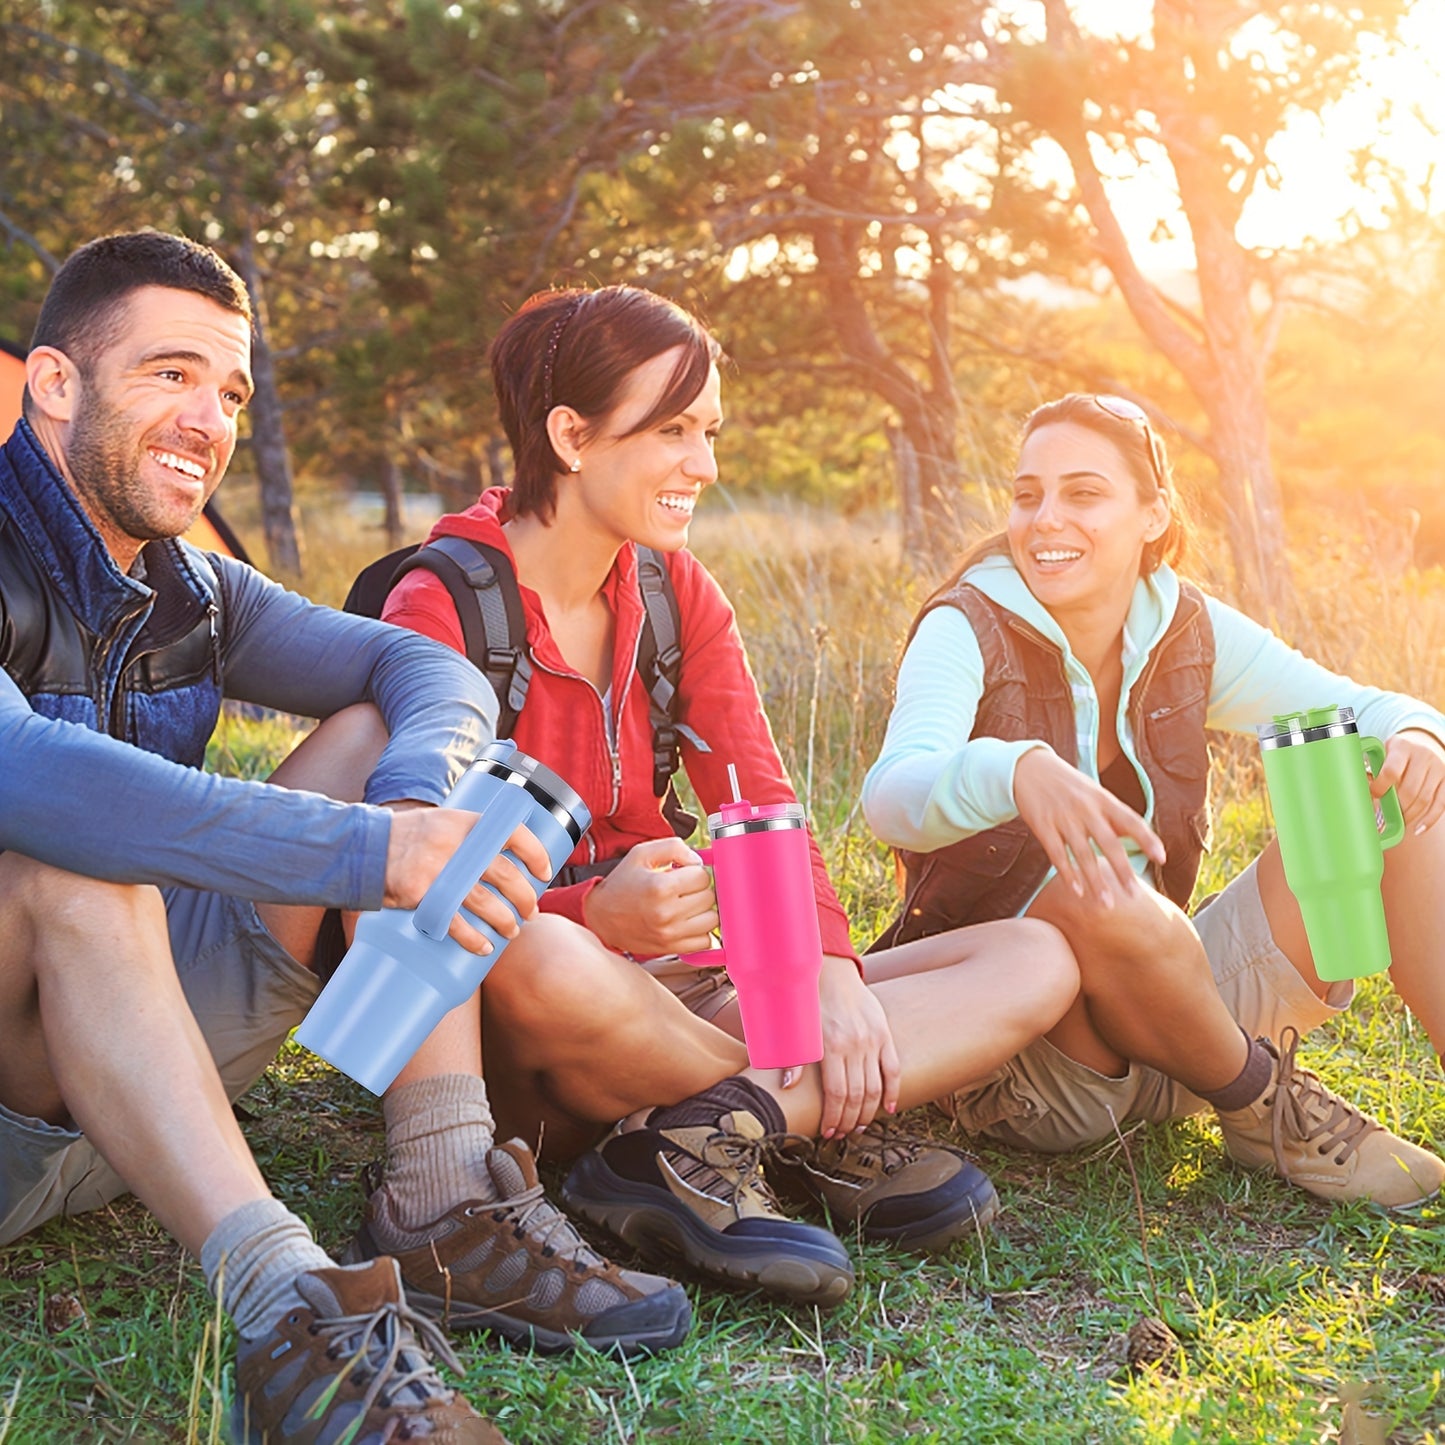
(931, 785)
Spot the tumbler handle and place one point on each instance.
(709, 957)
(1389, 800)
(505, 810)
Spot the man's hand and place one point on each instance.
(422, 842)
(1415, 768)
(658, 900)
(1071, 815)
(860, 1065)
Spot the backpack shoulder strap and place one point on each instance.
(659, 661)
(483, 586)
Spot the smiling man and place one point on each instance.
(156, 921)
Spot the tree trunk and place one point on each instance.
(1255, 517)
(497, 461)
(268, 436)
(392, 519)
(910, 505)
(944, 517)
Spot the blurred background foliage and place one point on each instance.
(908, 221)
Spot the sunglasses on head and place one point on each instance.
(1123, 409)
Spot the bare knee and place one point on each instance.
(63, 915)
(1052, 978)
(557, 975)
(1142, 933)
(338, 755)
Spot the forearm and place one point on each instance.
(932, 784)
(103, 809)
(923, 800)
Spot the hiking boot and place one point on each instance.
(892, 1187)
(518, 1268)
(354, 1366)
(690, 1183)
(1311, 1137)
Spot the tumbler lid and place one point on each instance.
(1312, 725)
(505, 760)
(765, 818)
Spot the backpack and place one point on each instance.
(483, 586)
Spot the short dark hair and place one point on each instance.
(83, 311)
(575, 347)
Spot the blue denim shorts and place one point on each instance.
(246, 992)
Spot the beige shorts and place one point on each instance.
(1042, 1099)
(705, 992)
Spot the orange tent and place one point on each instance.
(209, 531)
(12, 385)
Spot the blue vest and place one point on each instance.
(89, 645)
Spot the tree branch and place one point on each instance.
(1143, 300)
(18, 233)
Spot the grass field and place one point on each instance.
(1296, 1322)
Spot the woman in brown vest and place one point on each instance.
(1046, 756)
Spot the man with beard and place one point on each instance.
(157, 921)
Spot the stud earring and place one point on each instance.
(576, 465)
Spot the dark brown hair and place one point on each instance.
(1142, 450)
(577, 348)
(84, 312)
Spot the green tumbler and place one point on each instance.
(1329, 840)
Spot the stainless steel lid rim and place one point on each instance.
(1307, 735)
(538, 791)
(755, 825)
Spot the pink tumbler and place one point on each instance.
(763, 873)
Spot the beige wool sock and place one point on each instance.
(438, 1131)
(252, 1259)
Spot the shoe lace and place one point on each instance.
(1304, 1109)
(883, 1145)
(391, 1344)
(734, 1163)
(883, 1148)
(532, 1213)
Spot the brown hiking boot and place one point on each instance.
(690, 1183)
(893, 1187)
(355, 1366)
(518, 1268)
(1311, 1137)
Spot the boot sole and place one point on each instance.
(936, 1234)
(650, 1220)
(1316, 1190)
(668, 1331)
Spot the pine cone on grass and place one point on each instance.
(1151, 1344)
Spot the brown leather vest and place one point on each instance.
(1027, 695)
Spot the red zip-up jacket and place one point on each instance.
(563, 724)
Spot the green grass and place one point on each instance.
(1297, 1322)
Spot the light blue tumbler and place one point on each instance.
(402, 973)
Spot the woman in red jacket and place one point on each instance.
(611, 401)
